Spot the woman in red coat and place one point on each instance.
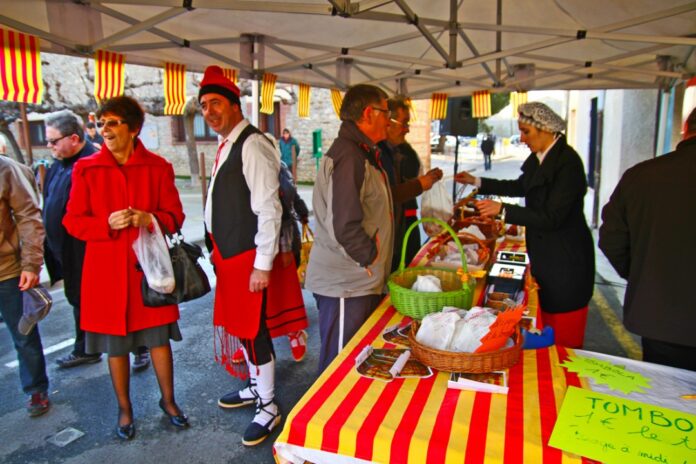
(115, 192)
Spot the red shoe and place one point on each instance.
(38, 404)
(238, 357)
(298, 344)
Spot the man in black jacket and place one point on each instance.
(645, 233)
(63, 253)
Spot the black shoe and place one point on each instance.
(178, 421)
(73, 360)
(126, 432)
(235, 400)
(255, 432)
(141, 361)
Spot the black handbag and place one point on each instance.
(191, 280)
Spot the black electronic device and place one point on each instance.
(459, 121)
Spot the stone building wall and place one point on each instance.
(321, 116)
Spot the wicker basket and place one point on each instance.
(474, 363)
(458, 288)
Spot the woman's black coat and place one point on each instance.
(559, 242)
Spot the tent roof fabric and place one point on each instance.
(407, 46)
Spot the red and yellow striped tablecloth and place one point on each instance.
(421, 420)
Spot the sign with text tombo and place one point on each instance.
(615, 430)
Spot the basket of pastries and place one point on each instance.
(456, 286)
(439, 352)
(478, 251)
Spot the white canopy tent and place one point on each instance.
(414, 47)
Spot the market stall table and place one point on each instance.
(345, 417)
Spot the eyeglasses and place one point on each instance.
(110, 123)
(377, 108)
(405, 125)
(55, 141)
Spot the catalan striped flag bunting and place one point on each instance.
(337, 100)
(303, 101)
(231, 74)
(20, 68)
(412, 110)
(109, 75)
(174, 88)
(267, 90)
(438, 106)
(517, 99)
(481, 104)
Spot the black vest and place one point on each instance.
(234, 223)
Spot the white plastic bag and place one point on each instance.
(153, 255)
(470, 329)
(437, 329)
(436, 203)
(427, 283)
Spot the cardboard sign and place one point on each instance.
(501, 330)
(604, 372)
(616, 431)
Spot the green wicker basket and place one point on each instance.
(419, 304)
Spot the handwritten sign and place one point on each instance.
(603, 372)
(501, 330)
(617, 431)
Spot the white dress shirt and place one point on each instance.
(260, 166)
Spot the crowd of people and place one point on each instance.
(104, 189)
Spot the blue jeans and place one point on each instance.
(32, 365)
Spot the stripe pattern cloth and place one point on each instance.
(268, 84)
(231, 74)
(481, 104)
(303, 101)
(109, 75)
(517, 99)
(421, 420)
(412, 110)
(174, 88)
(20, 68)
(337, 101)
(438, 106)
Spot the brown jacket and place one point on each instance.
(21, 230)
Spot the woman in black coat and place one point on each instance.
(559, 242)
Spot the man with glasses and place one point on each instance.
(350, 258)
(62, 252)
(401, 163)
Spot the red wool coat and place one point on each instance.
(111, 300)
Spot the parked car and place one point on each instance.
(515, 139)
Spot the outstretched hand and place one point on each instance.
(465, 178)
(429, 178)
(488, 207)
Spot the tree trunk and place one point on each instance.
(190, 111)
(5, 130)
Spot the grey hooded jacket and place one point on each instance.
(353, 240)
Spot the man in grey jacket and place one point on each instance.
(352, 250)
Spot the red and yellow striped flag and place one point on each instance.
(267, 90)
(412, 110)
(303, 101)
(174, 88)
(231, 74)
(337, 101)
(438, 106)
(517, 99)
(481, 104)
(109, 75)
(20, 68)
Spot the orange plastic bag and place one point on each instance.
(307, 241)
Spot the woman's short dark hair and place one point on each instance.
(126, 108)
(358, 98)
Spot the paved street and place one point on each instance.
(83, 398)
